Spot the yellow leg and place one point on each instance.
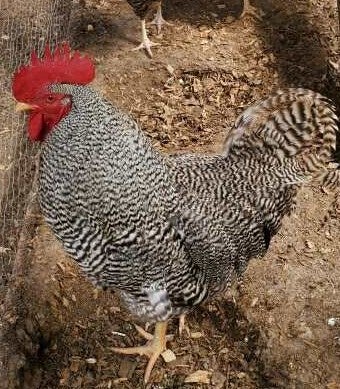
(153, 349)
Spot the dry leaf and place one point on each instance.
(170, 69)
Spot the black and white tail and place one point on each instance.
(293, 124)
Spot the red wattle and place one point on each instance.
(36, 126)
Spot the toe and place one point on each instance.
(146, 335)
(140, 350)
(146, 46)
(150, 365)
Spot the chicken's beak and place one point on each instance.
(23, 107)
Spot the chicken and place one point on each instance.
(166, 232)
(141, 9)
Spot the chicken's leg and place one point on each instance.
(146, 43)
(153, 349)
(159, 20)
(248, 9)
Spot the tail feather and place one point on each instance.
(292, 123)
(330, 179)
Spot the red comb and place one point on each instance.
(60, 66)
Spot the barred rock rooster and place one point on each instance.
(166, 232)
(142, 8)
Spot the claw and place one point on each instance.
(147, 44)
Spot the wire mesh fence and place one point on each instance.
(24, 26)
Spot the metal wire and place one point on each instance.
(24, 26)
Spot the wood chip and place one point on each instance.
(119, 380)
(196, 335)
(199, 377)
(168, 356)
(127, 367)
(61, 266)
(310, 245)
(218, 380)
(95, 293)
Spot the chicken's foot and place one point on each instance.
(153, 348)
(146, 42)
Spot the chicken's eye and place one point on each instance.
(50, 99)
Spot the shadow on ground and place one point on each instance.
(287, 29)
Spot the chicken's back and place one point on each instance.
(276, 146)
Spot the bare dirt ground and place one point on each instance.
(280, 327)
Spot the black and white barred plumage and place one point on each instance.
(168, 232)
(142, 7)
